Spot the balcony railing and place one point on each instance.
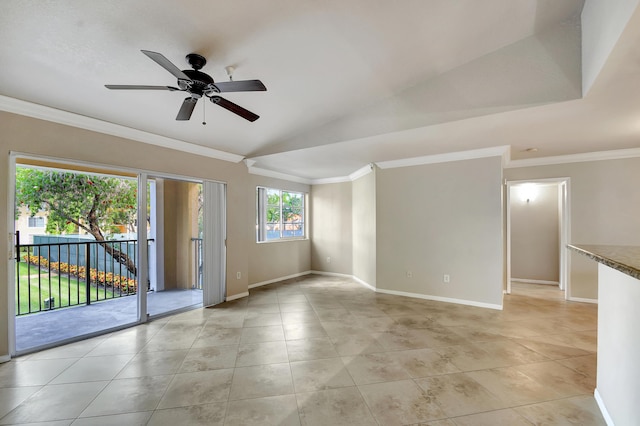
(63, 274)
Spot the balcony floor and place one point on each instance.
(37, 331)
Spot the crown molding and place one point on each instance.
(42, 112)
(278, 175)
(575, 158)
(496, 151)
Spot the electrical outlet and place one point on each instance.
(328, 259)
(446, 278)
(409, 274)
(238, 275)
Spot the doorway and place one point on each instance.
(538, 234)
(202, 259)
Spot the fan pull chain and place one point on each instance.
(204, 120)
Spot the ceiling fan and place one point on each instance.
(198, 84)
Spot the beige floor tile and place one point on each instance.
(581, 411)
(444, 422)
(262, 353)
(10, 398)
(551, 348)
(212, 335)
(202, 387)
(273, 410)
(72, 350)
(336, 407)
(308, 349)
(476, 333)
(400, 403)
(226, 320)
(32, 372)
(415, 321)
(193, 415)
(469, 357)
(272, 333)
(260, 381)
(586, 365)
(509, 352)
(309, 376)
(323, 334)
(93, 369)
(128, 419)
(493, 418)
(300, 317)
(172, 340)
(512, 386)
(374, 368)
(147, 364)
(296, 307)
(423, 362)
(212, 358)
(55, 402)
(303, 331)
(261, 320)
(459, 395)
(128, 396)
(563, 380)
(356, 344)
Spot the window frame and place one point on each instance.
(262, 205)
(36, 222)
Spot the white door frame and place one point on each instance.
(564, 203)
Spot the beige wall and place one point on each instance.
(364, 228)
(272, 260)
(180, 203)
(442, 219)
(535, 234)
(605, 209)
(331, 228)
(32, 136)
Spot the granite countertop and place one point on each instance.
(625, 259)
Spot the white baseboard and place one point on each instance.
(364, 283)
(237, 296)
(580, 299)
(527, 281)
(331, 274)
(275, 280)
(5, 358)
(441, 299)
(372, 288)
(603, 409)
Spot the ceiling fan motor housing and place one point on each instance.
(200, 83)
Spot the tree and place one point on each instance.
(93, 203)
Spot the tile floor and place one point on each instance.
(323, 351)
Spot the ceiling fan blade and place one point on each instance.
(137, 87)
(241, 86)
(236, 109)
(166, 64)
(186, 109)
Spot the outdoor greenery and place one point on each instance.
(66, 290)
(73, 201)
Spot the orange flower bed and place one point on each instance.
(127, 285)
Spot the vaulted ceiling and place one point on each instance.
(349, 82)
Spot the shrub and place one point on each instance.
(124, 284)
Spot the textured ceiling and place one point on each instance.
(349, 82)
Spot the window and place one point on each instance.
(36, 222)
(280, 214)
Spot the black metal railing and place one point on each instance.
(55, 275)
(197, 263)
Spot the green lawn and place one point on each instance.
(66, 290)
